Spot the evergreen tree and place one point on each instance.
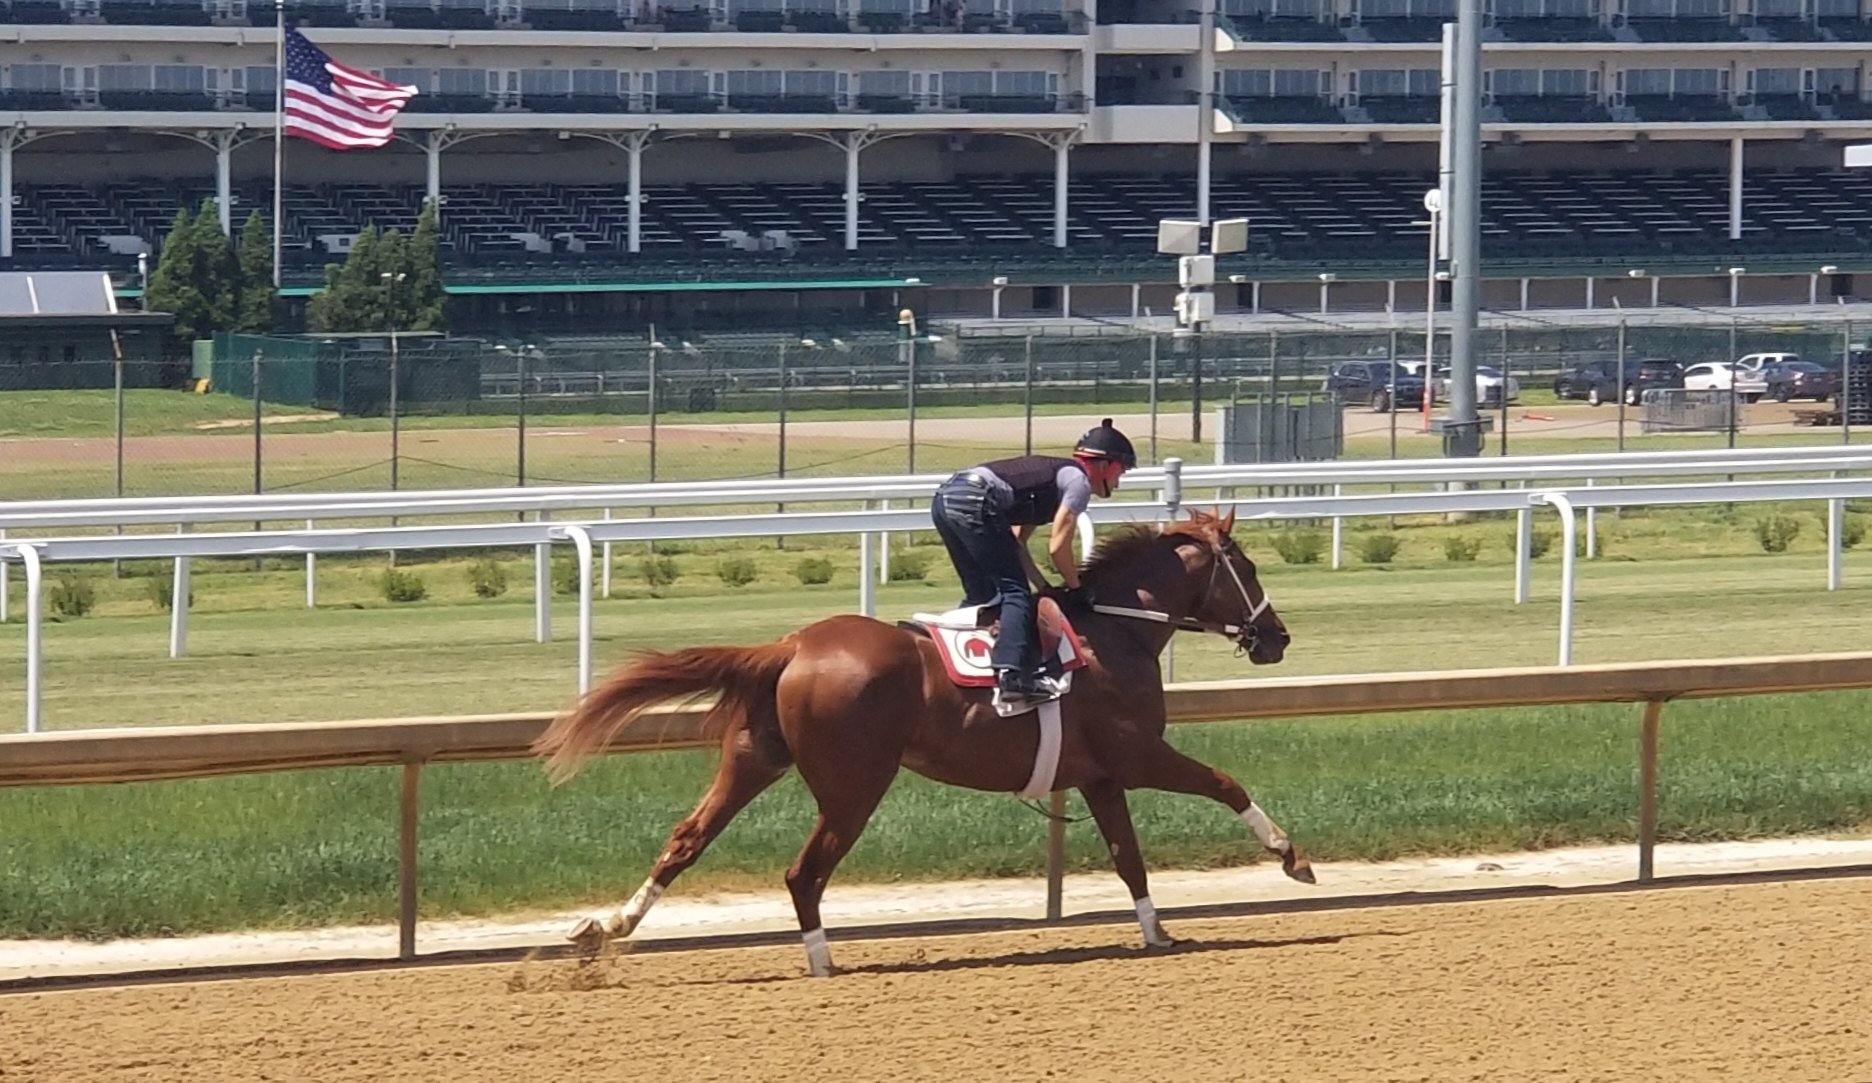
(422, 266)
(172, 283)
(349, 302)
(258, 299)
(217, 272)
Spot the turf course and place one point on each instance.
(319, 847)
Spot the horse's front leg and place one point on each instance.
(1157, 766)
(1106, 799)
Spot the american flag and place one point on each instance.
(335, 106)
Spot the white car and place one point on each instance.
(1489, 382)
(1757, 364)
(1725, 376)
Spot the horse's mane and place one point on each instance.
(1118, 549)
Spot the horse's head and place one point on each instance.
(1234, 596)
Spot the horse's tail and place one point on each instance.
(745, 677)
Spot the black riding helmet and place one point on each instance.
(1105, 442)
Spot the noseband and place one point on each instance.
(1242, 633)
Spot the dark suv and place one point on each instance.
(1598, 381)
(1371, 382)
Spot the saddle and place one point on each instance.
(965, 640)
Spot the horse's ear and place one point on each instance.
(1227, 526)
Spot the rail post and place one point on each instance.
(1568, 564)
(1056, 856)
(179, 606)
(1172, 486)
(1836, 522)
(1647, 787)
(1524, 544)
(311, 574)
(4, 601)
(542, 588)
(605, 580)
(35, 632)
(582, 544)
(867, 586)
(408, 807)
(1338, 533)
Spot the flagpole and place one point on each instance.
(279, 138)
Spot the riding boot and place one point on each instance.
(1018, 685)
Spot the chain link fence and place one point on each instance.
(365, 412)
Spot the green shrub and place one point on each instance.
(402, 586)
(658, 572)
(1378, 548)
(160, 590)
(1539, 541)
(488, 578)
(1852, 531)
(565, 576)
(1776, 532)
(909, 566)
(814, 571)
(1460, 549)
(1300, 546)
(72, 597)
(737, 571)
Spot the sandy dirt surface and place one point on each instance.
(1757, 982)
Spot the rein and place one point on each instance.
(1191, 624)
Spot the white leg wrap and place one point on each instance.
(639, 905)
(818, 955)
(1271, 837)
(1154, 934)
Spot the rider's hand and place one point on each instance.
(1079, 597)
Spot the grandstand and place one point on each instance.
(818, 145)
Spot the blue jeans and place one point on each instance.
(986, 555)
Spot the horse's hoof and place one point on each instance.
(588, 934)
(1297, 867)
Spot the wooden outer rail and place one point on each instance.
(147, 754)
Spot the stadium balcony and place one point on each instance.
(783, 103)
(158, 101)
(154, 13)
(34, 12)
(1847, 29)
(1567, 30)
(1282, 28)
(1681, 109)
(1788, 29)
(24, 100)
(576, 103)
(1415, 28)
(451, 103)
(1685, 29)
(1402, 110)
(1784, 107)
(1258, 110)
(1552, 109)
(1850, 109)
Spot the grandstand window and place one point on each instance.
(1404, 9)
(1683, 9)
(1780, 9)
(34, 77)
(423, 79)
(738, 6)
(1843, 82)
(177, 77)
(1548, 9)
(260, 79)
(884, 83)
(957, 85)
(755, 82)
(680, 81)
(545, 81)
(1836, 9)
(1279, 83)
(471, 82)
(1775, 80)
(817, 83)
(123, 77)
(1673, 82)
(1036, 7)
(595, 82)
(1280, 9)
(1029, 84)
(1398, 83)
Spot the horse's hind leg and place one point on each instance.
(1112, 811)
(750, 763)
(1157, 766)
(848, 792)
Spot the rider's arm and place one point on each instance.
(1060, 546)
(1021, 534)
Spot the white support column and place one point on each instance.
(433, 148)
(35, 635)
(1066, 299)
(1590, 281)
(1654, 291)
(9, 139)
(1735, 188)
(1524, 540)
(224, 183)
(1137, 298)
(1524, 294)
(542, 588)
(634, 148)
(1205, 105)
(1062, 174)
(854, 144)
(311, 575)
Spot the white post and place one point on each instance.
(1205, 106)
(1137, 296)
(1590, 281)
(1836, 511)
(1338, 533)
(1592, 525)
(1524, 541)
(35, 636)
(1061, 174)
(1524, 295)
(434, 148)
(633, 240)
(605, 583)
(853, 144)
(542, 589)
(224, 185)
(883, 555)
(1568, 532)
(582, 544)
(867, 587)
(3, 582)
(1654, 290)
(1735, 188)
(1066, 299)
(311, 575)
(7, 142)
(179, 608)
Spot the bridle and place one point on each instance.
(1243, 633)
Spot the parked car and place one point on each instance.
(1725, 376)
(1758, 364)
(1489, 384)
(1370, 382)
(1599, 381)
(1801, 380)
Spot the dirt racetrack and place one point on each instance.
(1754, 982)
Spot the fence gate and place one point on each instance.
(1280, 429)
(1672, 409)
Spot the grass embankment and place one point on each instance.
(320, 847)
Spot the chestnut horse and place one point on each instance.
(850, 700)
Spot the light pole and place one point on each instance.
(1433, 203)
(520, 355)
(390, 281)
(1195, 302)
(1326, 279)
(907, 339)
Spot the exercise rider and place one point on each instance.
(985, 515)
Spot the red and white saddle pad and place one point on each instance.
(966, 648)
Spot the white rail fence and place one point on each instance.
(870, 524)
